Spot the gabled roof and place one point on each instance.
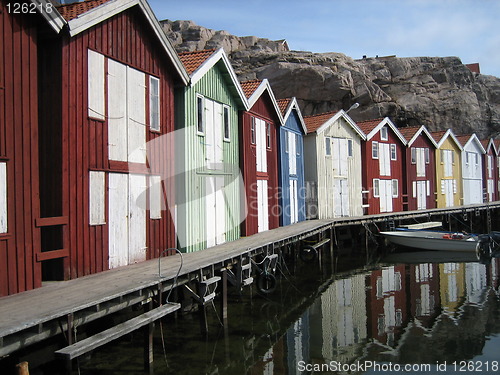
(372, 127)
(84, 15)
(320, 122)
(442, 135)
(254, 89)
(198, 63)
(411, 133)
(489, 144)
(466, 139)
(496, 142)
(286, 107)
(54, 18)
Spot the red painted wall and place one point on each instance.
(83, 142)
(262, 109)
(371, 170)
(19, 270)
(411, 173)
(495, 173)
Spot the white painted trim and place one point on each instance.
(264, 85)
(449, 133)
(474, 138)
(386, 121)
(54, 18)
(346, 117)
(295, 105)
(421, 130)
(114, 7)
(210, 63)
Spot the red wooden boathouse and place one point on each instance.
(490, 170)
(382, 155)
(109, 79)
(419, 188)
(20, 257)
(259, 157)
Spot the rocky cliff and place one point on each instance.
(438, 92)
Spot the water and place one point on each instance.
(417, 318)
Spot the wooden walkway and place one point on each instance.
(32, 316)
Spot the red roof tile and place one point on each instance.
(463, 139)
(409, 131)
(497, 143)
(438, 135)
(250, 86)
(314, 122)
(283, 104)
(71, 11)
(367, 126)
(193, 60)
(485, 143)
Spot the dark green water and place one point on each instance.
(419, 318)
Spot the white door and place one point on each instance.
(447, 188)
(490, 187)
(127, 219)
(385, 159)
(420, 156)
(262, 203)
(261, 145)
(294, 205)
(421, 193)
(385, 195)
(341, 194)
(215, 210)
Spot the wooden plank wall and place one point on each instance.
(19, 150)
(262, 109)
(127, 38)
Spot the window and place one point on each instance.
(252, 131)
(428, 187)
(227, 132)
(452, 157)
(477, 158)
(3, 198)
(349, 148)
(427, 156)
(395, 191)
(466, 158)
(297, 145)
(96, 79)
(384, 134)
(374, 150)
(268, 135)
(200, 114)
(96, 198)
(328, 146)
(393, 152)
(286, 139)
(413, 151)
(376, 187)
(155, 196)
(154, 103)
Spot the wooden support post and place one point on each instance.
(203, 320)
(148, 341)
(223, 299)
(22, 368)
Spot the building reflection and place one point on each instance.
(407, 313)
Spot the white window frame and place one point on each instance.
(253, 135)
(427, 155)
(384, 133)
(394, 153)
(154, 97)
(200, 128)
(413, 152)
(375, 150)
(226, 122)
(328, 146)
(376, 187)
(395, 188)
(350, 152)
(268, 135)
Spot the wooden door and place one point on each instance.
(262, 204)
(421, 195)
(385, 159)
(215, 204)
(447, 188)
(294, 206)
(341, 194)
(260, 143)
(127, 219)
(385, 195)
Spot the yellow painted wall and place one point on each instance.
(449, 144)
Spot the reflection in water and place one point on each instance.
(427, 313)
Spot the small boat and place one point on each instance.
(433, 240)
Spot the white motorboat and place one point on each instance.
(433, 240)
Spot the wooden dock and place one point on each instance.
(33, 316)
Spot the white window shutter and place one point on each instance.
(3, 198)
(97, 207)
(96, 96)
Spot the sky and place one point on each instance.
(468, 29)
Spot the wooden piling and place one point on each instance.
(22, 368)
(148, 341)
